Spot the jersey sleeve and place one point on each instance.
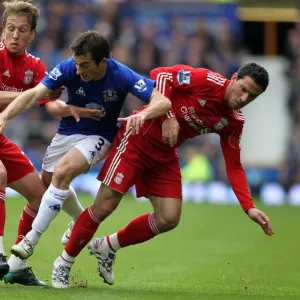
(231, 150)
(178, 77)
(138, 85)
(39, 74)
(55, 78)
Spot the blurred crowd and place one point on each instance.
(141, 47)
(291, 166)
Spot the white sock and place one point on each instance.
(2, 246)
(72, 205)
(113, 238)
(51, 204)
(67, 259)
(16, 263)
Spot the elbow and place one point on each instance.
(168, 104)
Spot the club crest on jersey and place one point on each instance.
(221, 124)
(28, 77)
(184, 77)
(118, 179)
(110, 94)
(141, 85)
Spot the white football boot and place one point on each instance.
(23, 249)
(105, 258)
(60, 274)
(67, 235)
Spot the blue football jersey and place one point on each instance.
(107, 94)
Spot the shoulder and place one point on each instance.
(116, 67)
(215, 79)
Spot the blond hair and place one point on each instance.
(24, 8)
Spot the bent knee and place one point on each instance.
(166, 223)
(3, 178)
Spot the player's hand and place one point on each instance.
(81, 112)
(262, 219)
(170, 130)
(3, 121)
(55, 94)
(134, 122)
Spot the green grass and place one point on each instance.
(215, 253)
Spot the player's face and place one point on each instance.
(242, 92)
(87, 68)
(17, 34)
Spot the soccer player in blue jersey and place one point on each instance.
(92, 80)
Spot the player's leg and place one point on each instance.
(114, 185)
(71, 206)
(22, 177)
(72, 164)
(76, 161)
(164, 180)
(4, 268)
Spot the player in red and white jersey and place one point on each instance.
(202, 102)
(20, 71)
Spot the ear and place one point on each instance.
(234, 76)
(32, 34)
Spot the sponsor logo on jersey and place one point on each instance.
(110, 94)
(184, 77)
(54, 74)
(80, 92)
(202, 102)
(94, 105)
(5, 87)
(221, 124)
(28, 77)
(118, 179)
(141, 85)
(6, 73)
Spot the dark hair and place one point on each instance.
(91, 42)
(256, 72)
(31, 12)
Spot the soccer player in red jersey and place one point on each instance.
(19, 71)
(202, 102)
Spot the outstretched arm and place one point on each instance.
(239, 184)
(22, 103)
(59, 108)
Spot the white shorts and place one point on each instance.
(93, 147)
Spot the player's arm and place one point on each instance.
(59, 108)
(158, 106)
(22, 103)
(238, 180)
(7, 97)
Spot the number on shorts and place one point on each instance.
(101, 142)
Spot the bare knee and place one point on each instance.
(106, 202)
(3, 178)
(166, 222)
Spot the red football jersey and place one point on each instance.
(19, 73)
(198, 103)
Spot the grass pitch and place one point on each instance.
(215, 253)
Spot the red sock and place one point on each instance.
(83, 231)
(27, 217)
(2, 212)
(139, 230)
